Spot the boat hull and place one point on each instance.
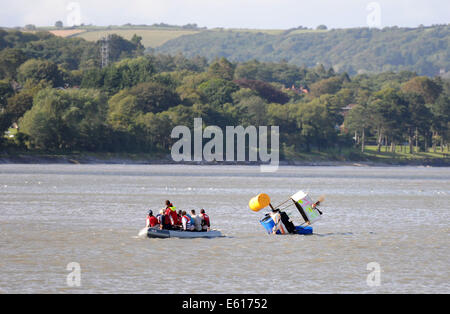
(165, 234)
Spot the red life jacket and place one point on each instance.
(188, 221)
(170, 217)
(152, 221)
(206, 220)
(167, 220)
(174, 215)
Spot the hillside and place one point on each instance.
(424, 50)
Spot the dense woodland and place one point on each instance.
(61, 100)
(424, 50)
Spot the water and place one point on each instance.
(52, 215)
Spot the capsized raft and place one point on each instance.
(268, 224)
(164, 234)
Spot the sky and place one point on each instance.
(260, 14)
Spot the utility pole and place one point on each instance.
(104, 51)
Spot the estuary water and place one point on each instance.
(54, 215)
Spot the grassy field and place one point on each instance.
(402, 152)
(151, 38)
(401, 156)
(11, 132)
(66, 32)
(306, 31)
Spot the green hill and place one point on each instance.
(424, 50)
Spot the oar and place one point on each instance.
(321, 199)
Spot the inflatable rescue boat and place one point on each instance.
(164, 234)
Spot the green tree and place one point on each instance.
(358, 121)
(265, 90)
(327, 86)
(154, 97)
(440, 120)
(19, 104)
(419, 118)
(155, 129)
(6, 91)
(30, 27)
(253, 111)
(316, 124)
(121, 48)
(10, 60)
(423, 86)
(122, 111)
(222, 69)
(40, 70)
(389, 112)
(137, 41)
(217, 91)
(5, 123)
(66, 120)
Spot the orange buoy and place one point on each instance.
(259, 202)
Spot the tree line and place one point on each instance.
(61, 100)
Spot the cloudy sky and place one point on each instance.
(279, 14)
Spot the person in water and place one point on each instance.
(151, 220)
(186, 222)
(205, 220)
(287, 222)
(317, 208)
(276, 217)
(197, 221)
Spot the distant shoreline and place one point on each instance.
(121, 159)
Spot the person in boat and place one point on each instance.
(151, 220)
(190, 217)
(160, 218)
(205, 220)
(186, 222)
(170, 216)
(197, 221)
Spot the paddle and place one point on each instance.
(321, 199)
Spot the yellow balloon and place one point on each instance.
(259, 202)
